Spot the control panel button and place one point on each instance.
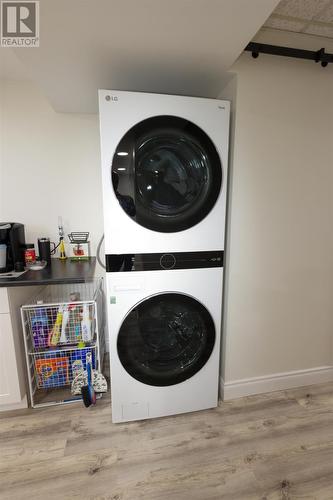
(168, 261)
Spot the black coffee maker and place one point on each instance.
(12, 246)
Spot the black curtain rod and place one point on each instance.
(276, 50)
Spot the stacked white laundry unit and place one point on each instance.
(164, 170)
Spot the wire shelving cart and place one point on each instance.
(61, 325)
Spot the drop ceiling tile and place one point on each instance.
(326, 16)
(303, 9)
(316, 29)
(284, 24)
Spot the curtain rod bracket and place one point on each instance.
(318, 56)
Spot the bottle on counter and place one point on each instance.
(29, 254)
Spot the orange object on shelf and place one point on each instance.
(52, 372)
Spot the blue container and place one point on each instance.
(80, 355)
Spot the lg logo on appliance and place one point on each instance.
(19, 24)
(113, 98)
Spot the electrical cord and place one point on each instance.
(53, 251)
(98, 253)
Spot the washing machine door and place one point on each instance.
(166, 339)
(166, 174)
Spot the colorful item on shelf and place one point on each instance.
(62, 253)
(77, 367)
(64, 323)
(67, 326)
(81, 355)
(55, 333)
(86, 324)
(98, 381)
(40, 328)
(75, 324)
(52, 371)
(88, 382)
(29, 253)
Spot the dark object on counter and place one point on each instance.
(19, 267)
(78, 237)
(44, 250)
(12, 235)
(29, 253)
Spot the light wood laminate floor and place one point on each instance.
(275, 446)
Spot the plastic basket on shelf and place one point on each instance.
(61, 325)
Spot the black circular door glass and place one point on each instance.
(166, 174)
(166, 339)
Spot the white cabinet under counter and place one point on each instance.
(13, 393)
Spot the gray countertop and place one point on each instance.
(59, 272)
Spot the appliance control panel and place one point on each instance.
(163, 261)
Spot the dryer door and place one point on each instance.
(166, 174)
(166, 339)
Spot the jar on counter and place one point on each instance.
(29, 253)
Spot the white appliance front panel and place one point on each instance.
(133, 400)
(120, 113)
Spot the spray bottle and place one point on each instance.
(86, 324)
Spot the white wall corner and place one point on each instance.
(275, 382)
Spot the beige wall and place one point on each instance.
(279, 283)
(49, 166)
(279, 272)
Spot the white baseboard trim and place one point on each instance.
(275, 382)
(15, 406)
